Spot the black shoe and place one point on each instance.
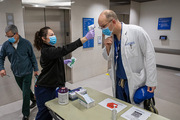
(25, 118)
(32, 105)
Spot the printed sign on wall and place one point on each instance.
(10, 18)
(87, 22)
(164, 23)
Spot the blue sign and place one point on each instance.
(87, 22)
(164, 23)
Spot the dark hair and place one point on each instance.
(38, 42)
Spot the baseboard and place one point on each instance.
(168, 67)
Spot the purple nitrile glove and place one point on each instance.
(90, 34)
(67, 61)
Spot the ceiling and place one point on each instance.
(126, 2)
(47, 3)
(67, 3)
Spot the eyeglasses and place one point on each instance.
(104, 25)
(10, 36)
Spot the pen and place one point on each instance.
(131, 46)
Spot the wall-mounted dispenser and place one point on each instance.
(163, 37)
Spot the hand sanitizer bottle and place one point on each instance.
(114, 113)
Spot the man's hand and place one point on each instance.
(36, 73)
(3, 73)
(151, 89)
(108, 42)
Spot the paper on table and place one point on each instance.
(135, 113)
(120, 106)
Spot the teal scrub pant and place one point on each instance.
(25, 85)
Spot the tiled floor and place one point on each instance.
(167, 95)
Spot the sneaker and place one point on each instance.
(32, 105)
(25, 118)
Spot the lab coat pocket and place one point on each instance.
(139, 79)
(131, 50)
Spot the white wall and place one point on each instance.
(149, 14)
(89, 60)
(8, 86)
(15, 7)
(134, 13)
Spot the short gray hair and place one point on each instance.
(11, 28)
(110, 15)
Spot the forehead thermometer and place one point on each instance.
(91, 27)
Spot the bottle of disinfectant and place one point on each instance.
(63, 96)
(114, 113)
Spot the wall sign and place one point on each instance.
(10, 18)
(99, 38)
(87, 22)
(164, 23)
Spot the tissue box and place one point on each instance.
(72, 93)
(87, 105)
(85, 100)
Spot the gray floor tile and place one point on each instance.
(168, 109)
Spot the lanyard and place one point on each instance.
(117, 45)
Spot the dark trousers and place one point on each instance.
(44, 94)
(25, 85)
(122, 93)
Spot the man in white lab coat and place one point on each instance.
(132, 57)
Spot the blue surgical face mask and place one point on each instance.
(106, 31)
(12, 40)
(53, 40)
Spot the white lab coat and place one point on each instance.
(138, 58)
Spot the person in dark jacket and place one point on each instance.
(23, 61)
(52, 63)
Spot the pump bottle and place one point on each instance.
(114, 113)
